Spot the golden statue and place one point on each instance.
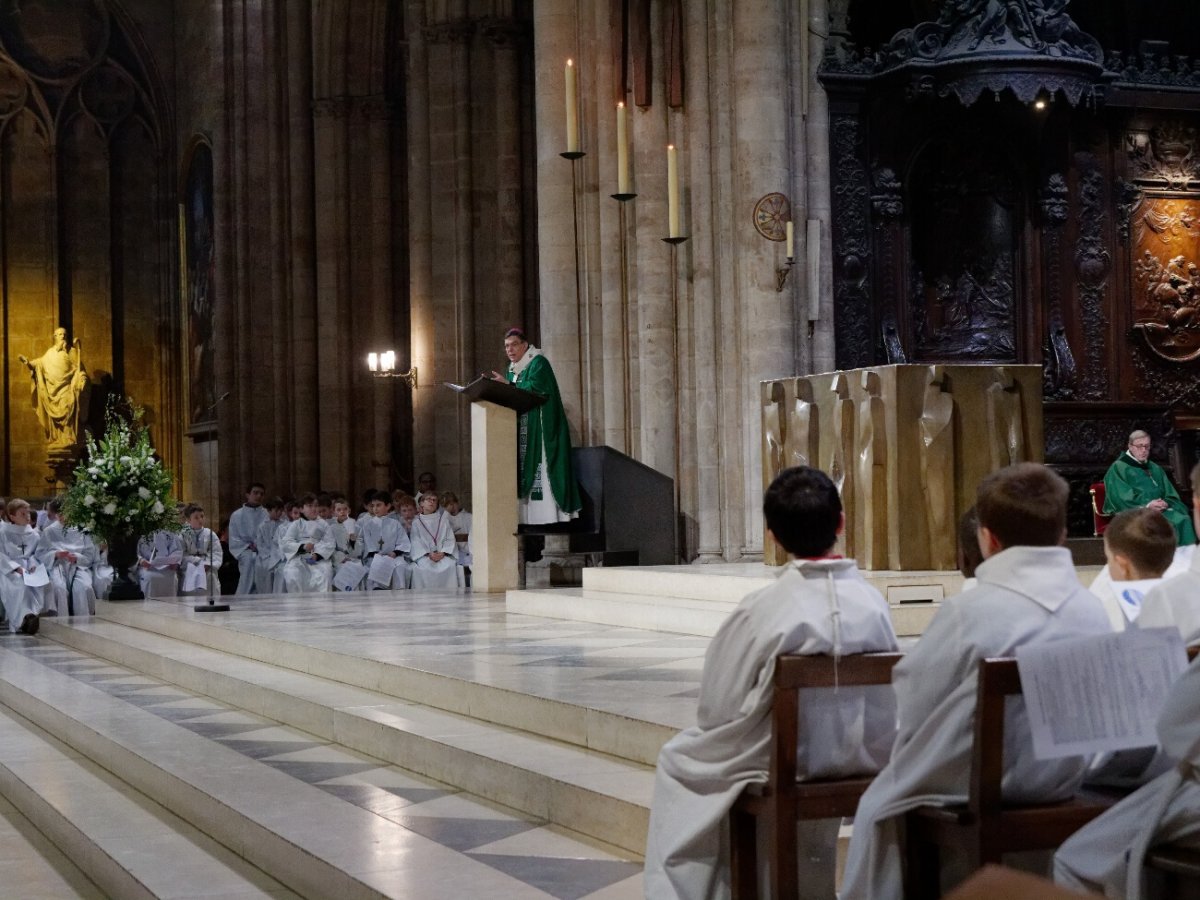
(59, 394)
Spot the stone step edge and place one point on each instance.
(305, 872)
(622, 611)
(689, 585)
(116, 877)
(614, 820)
(596, 729)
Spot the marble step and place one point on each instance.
(600, 725)
(130, 846)
(596, 794)
(661, 612)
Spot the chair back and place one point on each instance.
(1099, 519)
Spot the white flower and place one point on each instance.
(92, 470)
(110, 508)
(89, 500)
(158, 507)
(143, 493)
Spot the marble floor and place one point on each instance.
(469, 845)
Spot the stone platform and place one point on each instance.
(696, 599)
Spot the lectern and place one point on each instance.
(494, 409)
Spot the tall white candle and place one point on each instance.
(572, 109)
(672, 192)
(791, 242)
(622, 151)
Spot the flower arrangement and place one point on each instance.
(120, 487)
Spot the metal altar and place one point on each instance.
(907, 445)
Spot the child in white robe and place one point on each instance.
(1027, 593)
(1139, 546)
(1105, 856)
(159, 557)
(23, 604)
(341, 539)
(269, 565)
(243, 537)
(200, 547)
(433, 548)
(69, 555)
(1176, 602)
(307, 547)
(379, 533)
(820, 604)
(460, 521)
(341, 515)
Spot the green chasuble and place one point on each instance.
(1130, 484)
(544, 426)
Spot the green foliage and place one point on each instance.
(120, 487)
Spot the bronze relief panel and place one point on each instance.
(1165, 275)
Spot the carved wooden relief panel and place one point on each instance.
(1165, 251)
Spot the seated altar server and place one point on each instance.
(268, 573)
(1176, 602)
(341, 540)
(307, 547)
(1105, 856)
(159, 558)
(243, 537)
(380, 534)
(1027, 594)
(69, 555)
(820, 603)
(434, 565)
(1139, 546)
(460, 521)
(23, 603)
(201, 547)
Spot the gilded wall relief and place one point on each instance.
(1165, 248)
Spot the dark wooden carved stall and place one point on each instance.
(1009, 188)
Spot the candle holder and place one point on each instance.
(781, 275)
(674, 240)
(622, 198)
(573, 155)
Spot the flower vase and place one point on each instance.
(122, 556)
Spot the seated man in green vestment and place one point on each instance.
(545, 478)
(1134, 481)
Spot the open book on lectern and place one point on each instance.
(499, 392)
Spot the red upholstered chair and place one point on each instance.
(1099, 519)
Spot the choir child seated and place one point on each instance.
(307, 547)
(819, 604)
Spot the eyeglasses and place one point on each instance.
(1141, 445)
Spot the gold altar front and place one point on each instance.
(907, 445)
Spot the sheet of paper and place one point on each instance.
(37, 577)
(1099, 694)
(171, 559)
(193, 579)
(382, 568)
(349, 575)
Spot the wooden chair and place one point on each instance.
(1099, 519)
(783, 800)
(1175, 870)
(985, 828)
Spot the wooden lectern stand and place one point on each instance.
(494, 409)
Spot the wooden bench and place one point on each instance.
(783, 800)
(985, 828)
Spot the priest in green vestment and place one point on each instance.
(1134, 481)
(545, 479)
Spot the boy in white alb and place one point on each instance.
(433, 548)
(341, 515)
(1139, 546)
(243, 537)
(269, 565)
(201, 547)
(23, 603)
(337, 532)
(460, 521)
(1176, 602)
(381, 535)
(819, 604)
(307, 547)
(159, 556)
(69, 556)
(1027, 593)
